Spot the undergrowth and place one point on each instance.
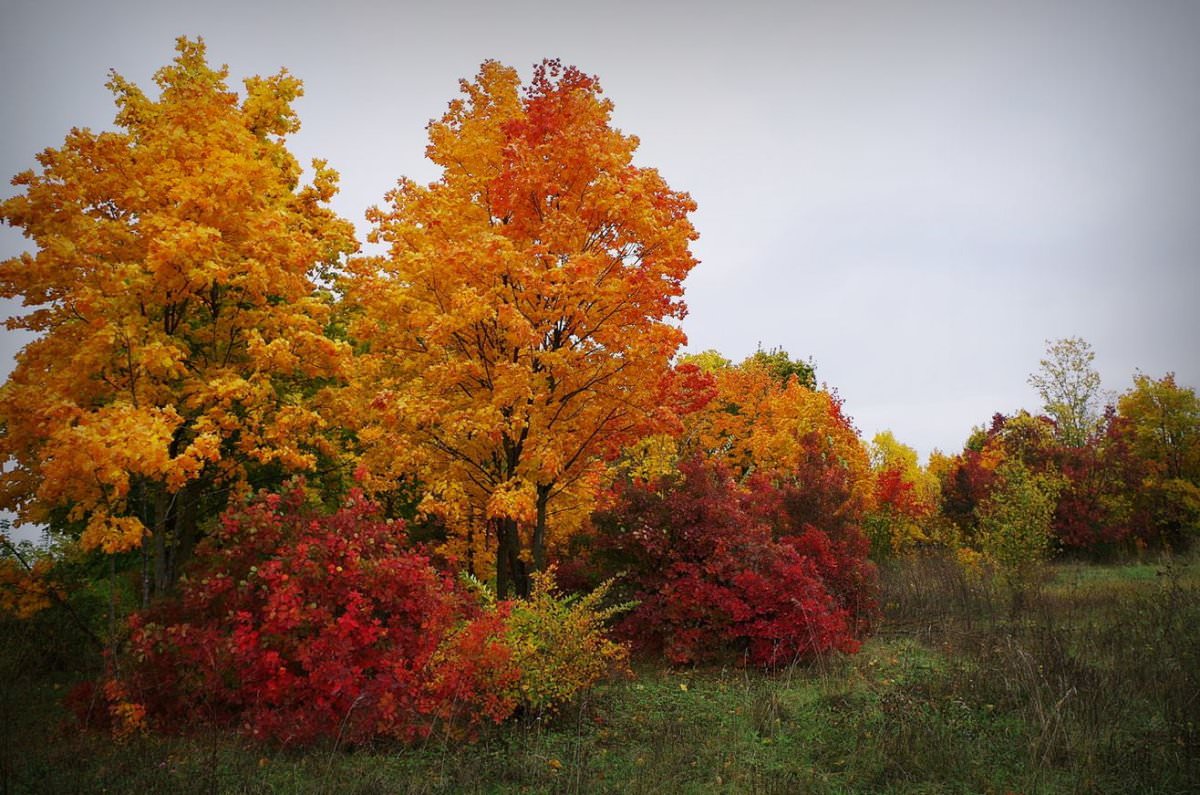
(1087, 679)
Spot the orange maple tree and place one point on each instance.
(519, 331)
(760, 422)
(181, 334)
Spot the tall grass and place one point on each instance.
(1101, 666)
(1083, 680)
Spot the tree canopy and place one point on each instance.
(520, 329)
(173, 293)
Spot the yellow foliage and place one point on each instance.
(652, 457)
(112, 534)
(559, 644)
(969, 559)
(24, 592)
(173, 294)
(514, 499)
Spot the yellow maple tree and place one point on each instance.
(519, 330)
(172, 289)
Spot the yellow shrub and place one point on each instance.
(560, 646)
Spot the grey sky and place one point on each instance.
(917, 194)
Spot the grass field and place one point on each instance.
(1087, 680)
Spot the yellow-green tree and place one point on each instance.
(1163, 420)
(171, 286)
(1014, 520)
(521, 327)
(1070, 389)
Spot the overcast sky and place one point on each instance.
(915, 194)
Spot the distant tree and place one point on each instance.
(783, 368)
(709, 361)
(1015, 519)
(906, 496)
(1164, 425)
(1026, 438)
(1101, 482)
(1070, 389)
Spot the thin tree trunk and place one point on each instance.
(186, 530)
(471, 548)
(146, 569)
(539, 529)
(163, 528)
(503, 568)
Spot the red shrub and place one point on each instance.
(294, 626)
(1101, 482)
(829, 540)
(710, 579)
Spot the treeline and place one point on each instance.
(1082, 478)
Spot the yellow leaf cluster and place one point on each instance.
(560, 646)
(173, 288)
(24, 592)
(112, 534)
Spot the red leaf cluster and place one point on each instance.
(711, 579)
(294, 626)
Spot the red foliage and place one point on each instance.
(293, 626)
(965, 485)
(830, 539)
(1101, 481)
(894, 493)
(710, 579)
(687, 389)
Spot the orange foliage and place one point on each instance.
(785, 432)
(520, 327)
(172, 289)
(24, 592)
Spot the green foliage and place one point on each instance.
(782, 367)
(1014, 521)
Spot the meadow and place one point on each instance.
(1085, 679)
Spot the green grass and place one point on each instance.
(1089, 681)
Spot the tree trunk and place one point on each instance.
(186, 530)
(539, 529)
(511, 577)
(175, 534)
(471, 549)
(164, 521)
